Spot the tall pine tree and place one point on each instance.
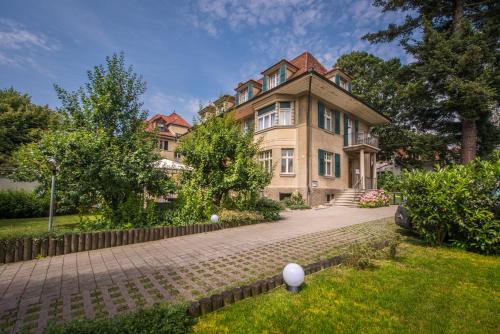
(455, 46)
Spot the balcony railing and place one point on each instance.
(365, 138)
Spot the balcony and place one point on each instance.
(362, 140)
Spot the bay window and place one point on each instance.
(285, 113)
(266, 117)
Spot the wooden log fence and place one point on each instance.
(29, 248)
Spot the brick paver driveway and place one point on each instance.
(105, 282)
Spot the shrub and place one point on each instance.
(161, 318)
(390, 181)
(268, 208)
(374, 199)
(235, 216)
(295, 202)
(22, 204)
(456, 204)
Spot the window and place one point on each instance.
(274, 80)
(266, 160)
(344, 84)
(248, 125)
(177, 156)
(328, 157)
(287, 161)
(164, 145)
(161, 126)
(285, 114)
(328, 120)
(266, 117)
(243, 96)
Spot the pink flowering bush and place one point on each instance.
(374, 199)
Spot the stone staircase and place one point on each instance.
(349, 197)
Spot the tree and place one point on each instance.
(383, 85)
(21, 122)
(223, 163)
(456, 64)
(104, 154)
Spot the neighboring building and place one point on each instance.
(169, 129)
(315, 133)
(218, 107)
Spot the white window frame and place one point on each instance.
(274, 80)
(267, 120)
(285, 114)
(243, 96)
(328, 158)
(163, 143)
(266, 160)
(328, 115)
(287, 160)
(344, 84)
(161, 126)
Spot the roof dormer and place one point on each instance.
(340, 77)
(246, 91)
(277, 74)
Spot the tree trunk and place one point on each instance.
(469, 140)
(458, 14)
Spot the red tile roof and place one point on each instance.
(173, 118)
(306, 62)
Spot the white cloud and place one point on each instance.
(15, 36)
(20, 47)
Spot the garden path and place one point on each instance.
(104, 282)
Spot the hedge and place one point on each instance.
(22, 204)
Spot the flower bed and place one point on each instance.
(374, 199)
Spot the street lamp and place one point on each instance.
(53, 167)
(293, 275)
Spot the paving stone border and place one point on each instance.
(29, 248)
(219, 300)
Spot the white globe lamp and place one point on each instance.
(214, 219)
(293, 275)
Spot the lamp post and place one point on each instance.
(293, 275)
(53, 167)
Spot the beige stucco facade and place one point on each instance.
(309, 141)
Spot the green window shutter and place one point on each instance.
(349, 87)
(337, 79)
(264, 84)
(321, 115)
(321, 162)
(337, 122)
(266, 110)
(346, 129)
(282, 73)
(337, 165)
(356, 128)
(237, 98)
(250, 90)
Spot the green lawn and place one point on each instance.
(25, 226)
(427, 290)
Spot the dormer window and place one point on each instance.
(161, 126)
(274, 80)
(344, 83)
(244, 96)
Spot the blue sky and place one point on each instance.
(188, 52)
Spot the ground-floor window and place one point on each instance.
(285, 195)
(328, 156)
(266, 160)
(287, 161)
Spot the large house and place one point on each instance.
(169, 129)
(315, 134)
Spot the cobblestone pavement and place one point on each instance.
(104, 282)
